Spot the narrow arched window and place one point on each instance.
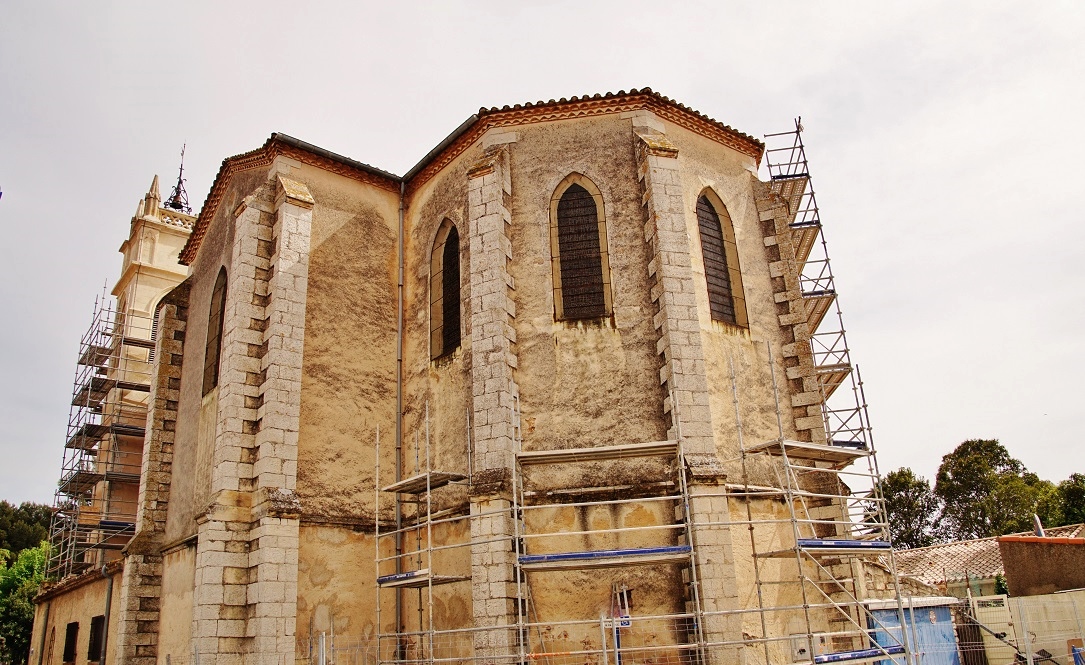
(213, 349)
(720, 253)
(579, 245)
(444, 304)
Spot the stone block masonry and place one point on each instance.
(245, 601)
(141, 584)
(674, 292)
(494, 392)
(685, 381)
(775, 214)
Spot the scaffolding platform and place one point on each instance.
(93, 391)
(818, 545)
(637, 556)
(804, 236)
(78, 482)
(424, 482)
(116, 525)
(416, 579)
(599, 453)
(101, 546)
(830, 377)
(859, 655)
(95, 355)
(87, 436)
(138, 342)
(122, 477)
(832, 547)
(817, 303)
(837, 454)
(121, 429)
(791, 188)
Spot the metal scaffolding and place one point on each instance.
(95, 500)
(416, 561)
(789, 175)
(820, 578)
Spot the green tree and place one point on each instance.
(22, 526)
(1072, 498)
(912, 508)
(986, 492)
(19, 583)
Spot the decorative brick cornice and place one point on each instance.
(582, 107)
(486, 119)
(89, 577)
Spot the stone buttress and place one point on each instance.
(141, 586)
(494, 392)
(245, 601)
(685, 381)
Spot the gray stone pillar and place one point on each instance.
(245, 601)
(718, 584)
(141, 582)
(220, 596)
(776, 211)
(494, 391)
(674, 291)
(273, 559)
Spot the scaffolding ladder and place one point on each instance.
(811, 587)
(94, 506)
(541, 552)
(418, 568)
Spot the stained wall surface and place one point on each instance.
(349, 360)
(175, 609)
(190, 491)
(76, 605)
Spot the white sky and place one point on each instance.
(944, 141)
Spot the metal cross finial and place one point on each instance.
(178, 199)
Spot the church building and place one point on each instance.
(573, 389)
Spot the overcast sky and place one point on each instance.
(945, 142)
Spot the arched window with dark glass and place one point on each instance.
(444, 304)
(213, 348)
(720, 253)
(578, 243)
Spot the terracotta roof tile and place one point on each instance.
(972, 558)
(464, 136)
(615, 95)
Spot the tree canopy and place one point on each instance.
(22, 526)
(913, 508)
(19, 583)
(23, 556)
(980, 491)
(986, 492)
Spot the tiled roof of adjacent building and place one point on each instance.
(963, 559)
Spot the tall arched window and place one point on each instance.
(444, 289)
(578, 241)
(725, 298)
(213, 349)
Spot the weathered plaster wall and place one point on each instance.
(1036, 565)
(335, 583)
(582, 384)
(190, 490)
(175, 610)
(443, 384)
(349, 357)
(80, 604)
